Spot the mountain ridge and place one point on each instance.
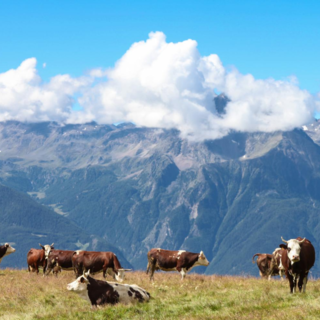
(139, 188)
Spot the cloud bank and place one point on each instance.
(159, 84)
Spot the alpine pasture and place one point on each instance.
(28, 296)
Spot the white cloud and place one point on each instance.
(24, 97)
(159, 84)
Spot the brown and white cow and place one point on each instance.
(179, 260)
(99, 292)
(298, 257)
(38, 258)
(267, 265)
(276, 266)
(59, 260)
(95, 262)
(5, 250)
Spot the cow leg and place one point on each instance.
(301, 280)
(294, 283)
(290, 278)
(305, 280)
(281, 275)
(183, 273)
(48, 271)
(148, 268)
(152, 270)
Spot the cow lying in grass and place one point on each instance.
(100, 292)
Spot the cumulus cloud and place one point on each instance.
(24, 97)
(159, 84)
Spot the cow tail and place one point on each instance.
(257, 254)
(149, 264)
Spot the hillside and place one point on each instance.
(24, 223)
(140, 188)
(199, 297)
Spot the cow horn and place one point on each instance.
(41, 245)
(284, 240)
(127, 269)
(301, 241)
(52, 244)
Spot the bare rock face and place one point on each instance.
(139, 188)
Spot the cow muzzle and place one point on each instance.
(295, 259)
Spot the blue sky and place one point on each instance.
(265, 38)
(159, 63)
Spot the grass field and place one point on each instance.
(27, 296)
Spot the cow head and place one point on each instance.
(47, 248)
(120, 275)
(80, 284)
(9, 249)
(293, 247)
(203, 260)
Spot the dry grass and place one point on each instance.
(24, 296)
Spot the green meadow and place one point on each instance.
(28, 296)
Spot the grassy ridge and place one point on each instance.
(24, 296)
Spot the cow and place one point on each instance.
(276, 266)
(298, 257)
(38, 258)
(99, 292)
(5, 250)
(95, 262)
(59, 260)
(179, 260)
(47, 248)
(263, 263)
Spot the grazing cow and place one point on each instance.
(276, 266)
(95, 262)
(180, 260)
(263, 263)
(297, 258)
(100, 292)
(38, 258)
(59, 259)
(5, 250)
(47, 248)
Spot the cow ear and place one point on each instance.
(283, 246)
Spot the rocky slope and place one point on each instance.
(140, 188)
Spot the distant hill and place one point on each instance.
(139, 188)
(24, 223)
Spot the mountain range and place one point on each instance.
(128, 189)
